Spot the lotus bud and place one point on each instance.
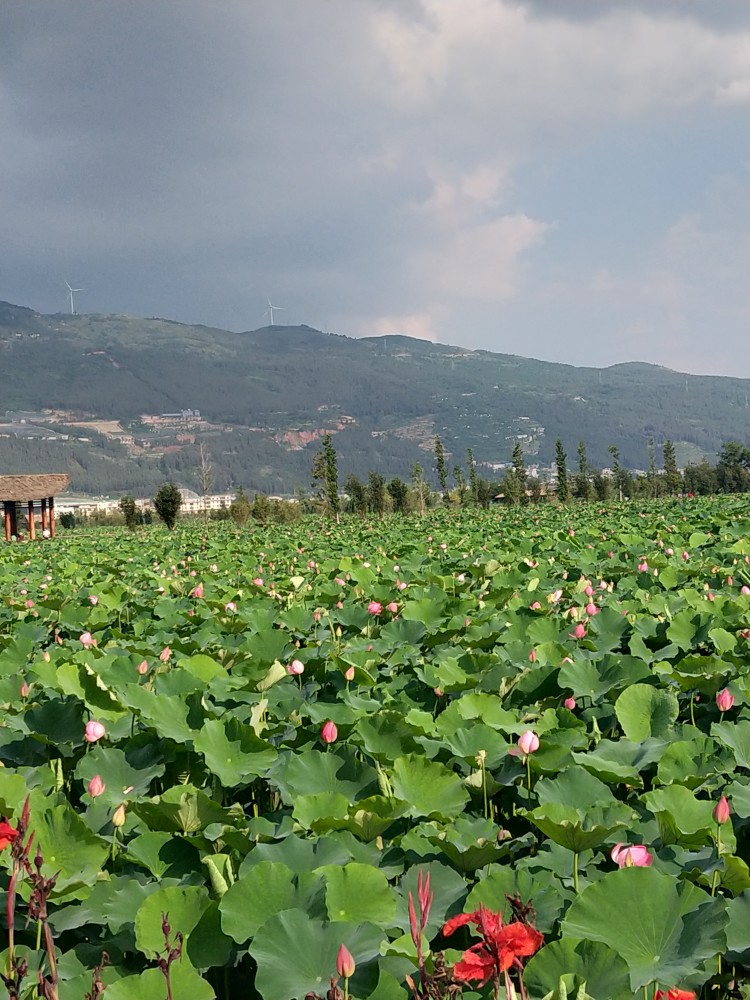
(345, 964)
(94, 731)
(329, 733)
(96, 786)
(724, 700)
(528, 742)
(722, 811)
(118, 817)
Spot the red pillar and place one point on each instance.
(6, 512)
(51, 517)
(32, 525)
(44, 514)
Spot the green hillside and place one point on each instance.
(268, 393)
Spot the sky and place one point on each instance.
(559, 179)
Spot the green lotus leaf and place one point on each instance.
(575, 787)
(120, 778)
(164, 713)
(260, 892)
(594, 679)
(233, 752)
(309, 809)
(296, 954)
(664, 929)
(620, 760)
(681, 816)
(358, 893)
(184, 907)
(540, 888)
(738, 929)
(163, 854)
(181, 809)
(588, 964)
(644, 711)
(66, 843)
(736, 736)
(691, 762)
(580, 831)
(149, 985)
(314, 772)
(428, 787)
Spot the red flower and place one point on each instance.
(8, 834)
(675, 994)
(502, 946)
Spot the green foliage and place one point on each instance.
(240, 509)
(167, 503)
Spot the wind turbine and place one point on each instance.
(70, 292)
(271, 309)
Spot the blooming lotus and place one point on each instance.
(94, 731)
(296, 667)
(528, 742)
(197, 591)
(87, 640)
(375, 608)
(631, 856)
(675, 994)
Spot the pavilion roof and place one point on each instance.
(33, 487)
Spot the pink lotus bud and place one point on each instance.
(392, 607)
(532, 657)
(571, 532)
(197, 591)
(339, 581)
(118, 817)
(258, 581)
(591, 610)
(165, 654)
(296, 667)
(631, 856)
(349, 674)
(685, 555)
(745, 590)
(401, 585)
(230, 606)
(93, 599)
(570, 704)
(730, 581)
(579, 631)
(96, 786)
(345, 964)
(30, 604)
(375, 608)
(142, 667)
(24, 691)
(86, 639)
(589, 591)
(528, 742)
(643, 567)
(329, 733)
(536, 606)
(670, 552)
(722, 810)
(724, 700)
(93, 731)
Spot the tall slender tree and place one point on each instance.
(473, 481)
(582, 479)
(616, 470)
(519, 470)
(325, 475)
(561, 465)
(419, 487)
(441, 469)
(672, 477)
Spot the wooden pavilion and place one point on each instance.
(27, 491)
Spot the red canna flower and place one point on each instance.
(8, 834)
(675, 994)
(502, 946)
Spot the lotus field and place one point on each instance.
(505, 754)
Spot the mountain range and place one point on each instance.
(122, 403)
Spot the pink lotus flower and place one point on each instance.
(536, 606)
(589, 591)
(213, 567)
(329, 733)
(579, 631)
(724, 700)
(570, 704)
(30, 604)
(93, 599)
(685, 555)
(258, 581)
(296, 668)
(349, 674)
(345, 964)
(591, 610)
(142, 667)
(392, 607)
(643, 567)
(528, 742)
(165, 654)
(230, 606)
(745, 590)
(94, 731)
(87, 640)
(197, 591)
(339, 581)
(631, 856)
(96, 786)
(375, 608)
(401, 585)
(670, 552)
(722, 811)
